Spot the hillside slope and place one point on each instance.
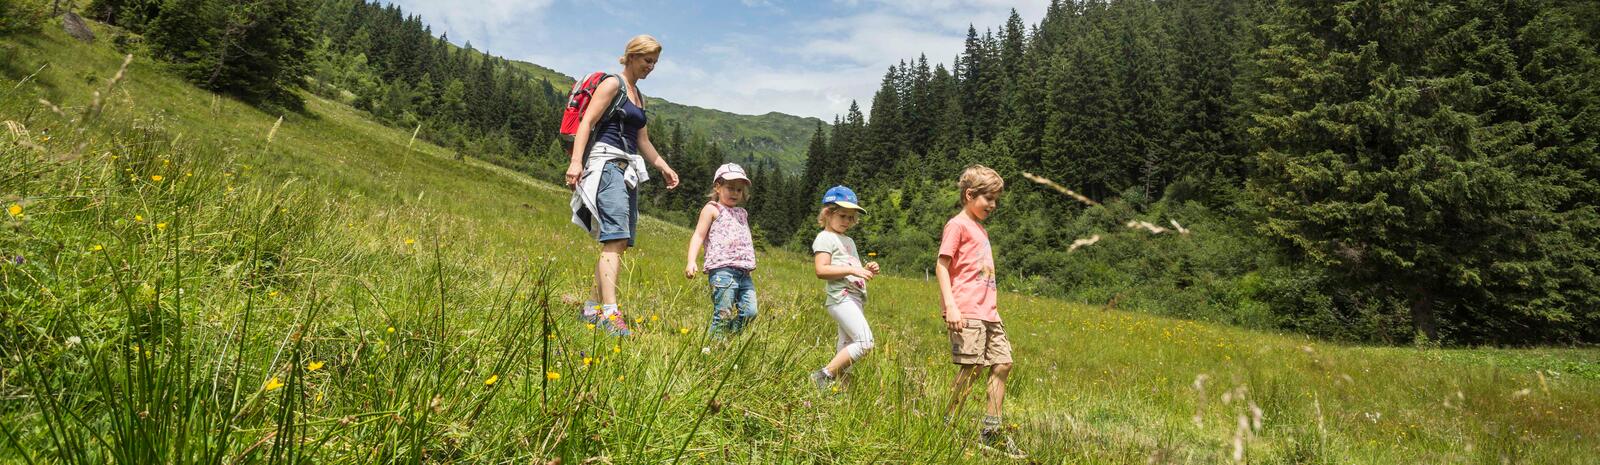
(190, 280)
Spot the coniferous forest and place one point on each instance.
(1386, 171)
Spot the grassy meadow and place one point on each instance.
(188, 279)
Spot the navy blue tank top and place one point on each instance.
(623, 133)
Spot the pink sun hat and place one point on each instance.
(730, 172)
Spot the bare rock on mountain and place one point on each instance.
(76, 27)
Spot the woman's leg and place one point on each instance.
(605, 270)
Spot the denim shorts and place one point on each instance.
(616, 206)
(733, 298)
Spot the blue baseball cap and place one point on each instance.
(842, 196)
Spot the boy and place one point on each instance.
(967, 294)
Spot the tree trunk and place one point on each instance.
(1422, 318)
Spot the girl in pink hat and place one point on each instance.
(724, 230)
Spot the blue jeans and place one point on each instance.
(733, 299)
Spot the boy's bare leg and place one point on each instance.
(997, 387)
(960, 388)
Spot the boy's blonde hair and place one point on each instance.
(981, 180)
(641, 44)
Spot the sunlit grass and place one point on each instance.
(188, 279)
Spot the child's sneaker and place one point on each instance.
(822, 380)
(1000, 443)
(590, 313)
(616, 324)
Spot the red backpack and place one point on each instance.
(578, 103)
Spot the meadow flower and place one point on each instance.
(15, 209)
(491, 380)
(553, 376)
(390, 330)
(272, 294)
(619, 379)
(96, 248)
(410, 241)
(588, 361)
(273, 384)
(138, 218)
(161, 226)
(313, 366)
(616, 349)
(590, 326)
(872, 254)
(683, 330)
(155, 177)
(654, 318)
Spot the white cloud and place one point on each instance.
(490, 22)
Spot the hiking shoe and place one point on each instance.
(822, 380)
(616, 324)
(1000, 443)
(590, 313)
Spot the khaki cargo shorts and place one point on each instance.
(980, 343)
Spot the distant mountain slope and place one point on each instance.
(774, 136)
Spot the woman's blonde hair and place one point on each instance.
(641, 44)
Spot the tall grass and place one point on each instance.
(207, 283)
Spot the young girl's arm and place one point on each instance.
(701, 227)
(823, 263)
(947, 295)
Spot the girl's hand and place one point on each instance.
(574, 171)
(863, 273)
(689, 271)
(873, 267)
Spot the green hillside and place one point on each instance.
(186, 280)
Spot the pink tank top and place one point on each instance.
(728, 242)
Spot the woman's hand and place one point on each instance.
(672, 176)
(574, 171)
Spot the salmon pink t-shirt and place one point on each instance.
(972, 277)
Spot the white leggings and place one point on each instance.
(854, 334)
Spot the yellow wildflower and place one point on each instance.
(96, 247)
(553, 376)
(654, 318)
(588, 361)
(683, 330)
(15, 209)
(872, 254)
(491, 380)
(616, 349)
(619, 379)
(591, 326)
(313, 366)
(138, 218)
(161, 226)
(272, 294)
(410, 241)
(155, 177)
(273, 383)
(391, 329)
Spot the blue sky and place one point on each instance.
(743, 56)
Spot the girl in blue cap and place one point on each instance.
(836, 261)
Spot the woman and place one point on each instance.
(606, 173)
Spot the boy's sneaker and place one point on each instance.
(616, 324)
(1000, 443)
(822, 380)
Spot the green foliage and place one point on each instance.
(256, 50)
(22, 15)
